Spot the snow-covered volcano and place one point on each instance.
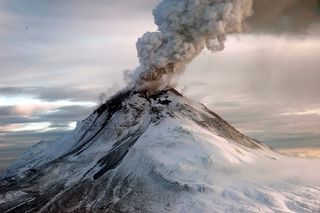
(159, 153)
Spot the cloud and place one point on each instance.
(80, 9)
(7, 110)
(302, 152)
(23, 110)
(7, 157)
(260, 84)
(68, 43)
(48, 109)
(53, 94)
(32, 136)
(65, 114)
(20, 129)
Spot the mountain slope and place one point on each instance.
(159, 153)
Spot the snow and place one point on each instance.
(185, 166)
(224, 180)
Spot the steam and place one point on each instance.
(185, 28)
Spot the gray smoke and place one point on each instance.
(185, 28)
(285, 16)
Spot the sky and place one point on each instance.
(58, 58)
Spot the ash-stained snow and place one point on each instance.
(160, 153)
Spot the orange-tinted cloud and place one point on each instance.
(9, 127)
(302, 152)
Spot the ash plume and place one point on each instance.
(284, 16)
(185, 28)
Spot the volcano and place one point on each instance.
(154, 153)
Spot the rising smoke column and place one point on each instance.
(185, 28)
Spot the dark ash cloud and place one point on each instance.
(285, 16)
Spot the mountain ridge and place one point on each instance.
(138, 153)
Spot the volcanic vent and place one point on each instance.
(123, 155)
(149, 149)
